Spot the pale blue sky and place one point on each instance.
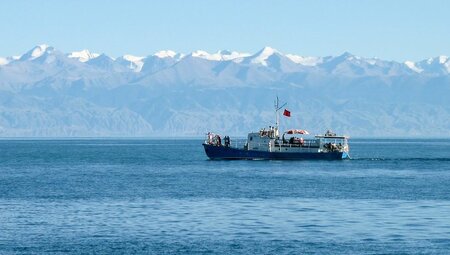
(389, 29)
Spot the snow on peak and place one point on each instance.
(442, 59)
(40, 50)
(132, 58)
(202, 54)
(372, 61)
(4, 61)
(445, 61)
(83, 56)
(165, 54)
(221, 55)
(306, 61)
(436, 63)
(261, 56)
(267, 51)
(232, 55)
(411, 65)
(36, 52)
(136, 63)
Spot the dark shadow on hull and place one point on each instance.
(229, 153)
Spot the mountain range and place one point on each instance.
(48, 93)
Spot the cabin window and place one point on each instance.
(251, 138)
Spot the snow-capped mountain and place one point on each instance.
(45, 92)
(262, 56)
(266, 57)
(306, 61)
(37, 52)
(438, 65)
(4, 61)
(222, 55)
(83, 56)
(132, 62)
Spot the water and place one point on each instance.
(165, 197)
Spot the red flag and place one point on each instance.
(287, 113)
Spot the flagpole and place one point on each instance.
(277, 120)
(277, 108)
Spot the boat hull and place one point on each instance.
(222, 152)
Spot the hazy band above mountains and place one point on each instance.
(45, 92)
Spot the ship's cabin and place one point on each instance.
(331, 142)
(263, 140)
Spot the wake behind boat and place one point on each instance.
(267, 144)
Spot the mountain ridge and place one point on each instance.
(46, 92)
(441, 61)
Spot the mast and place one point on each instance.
(277, 108)
(276, 113)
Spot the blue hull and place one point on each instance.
(222, 152)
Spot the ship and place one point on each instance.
(266, 144)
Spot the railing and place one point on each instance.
(306, 145)
(309, 146)
(234, 143)
(238, 143)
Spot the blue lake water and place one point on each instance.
(166, 197)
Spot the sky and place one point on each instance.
(388, 29)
